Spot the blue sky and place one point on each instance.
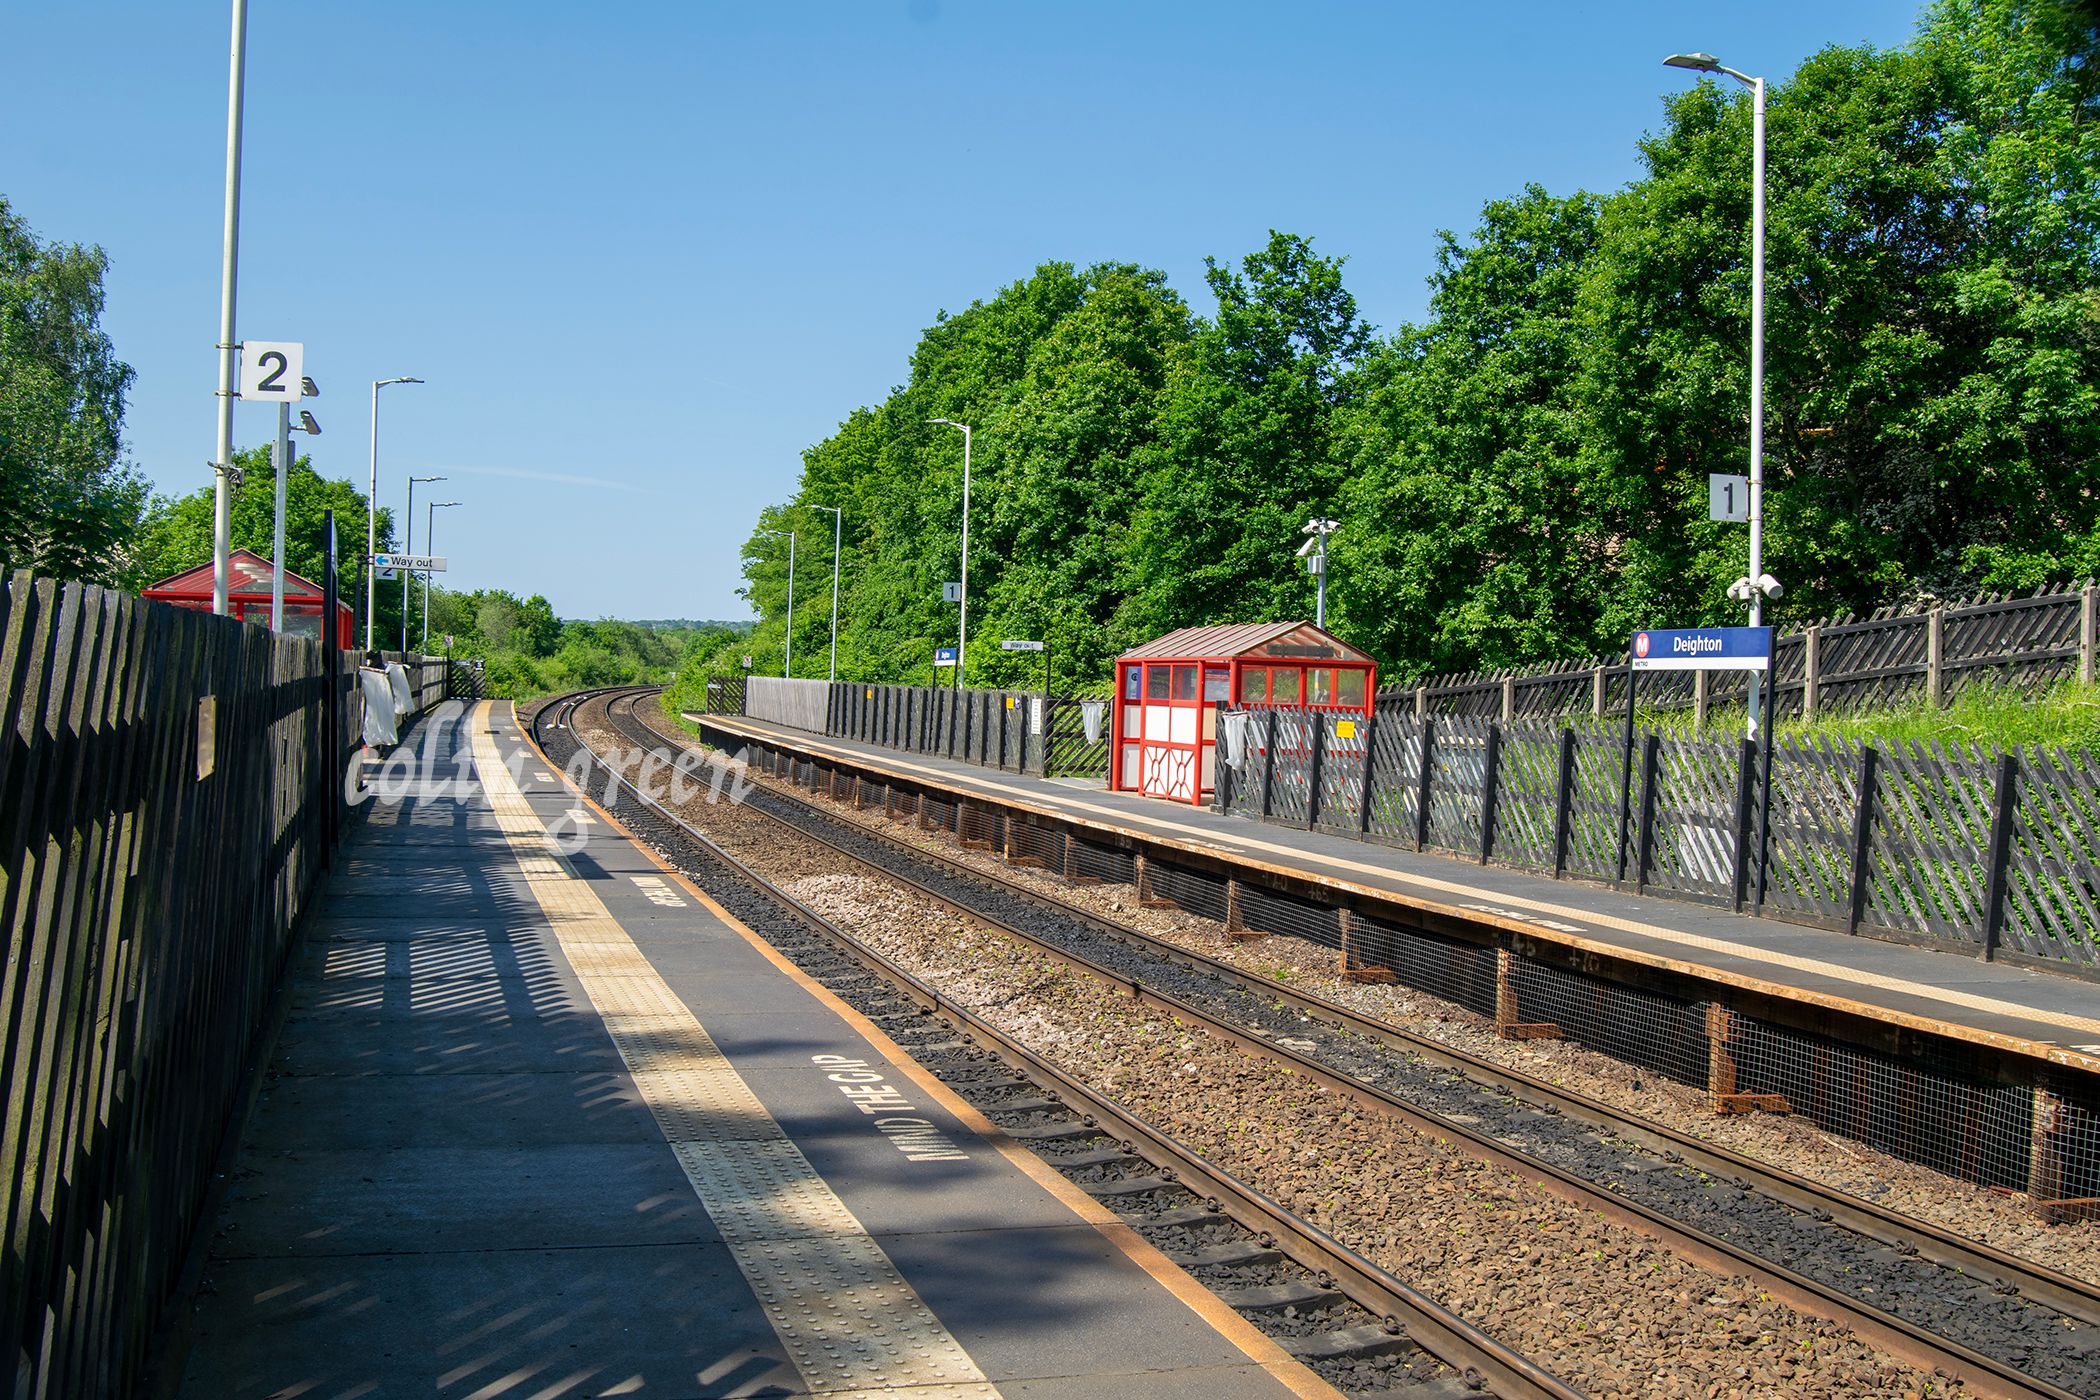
(645, 254)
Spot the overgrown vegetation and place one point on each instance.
(1522, 477)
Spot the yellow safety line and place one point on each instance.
(847, 1318)
(1257, 1345)
(1949, 995)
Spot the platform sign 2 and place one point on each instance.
(271, 370)
(1702, 649)
(944, 656)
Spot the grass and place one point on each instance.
(1981, 715)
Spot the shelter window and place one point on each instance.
(1254, 685)
(1156, 678)
(1349, 689)
(1217, 683)
(1319, 686)
(1133, 682)
(1283, 685)
(1184, 682)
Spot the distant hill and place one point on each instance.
(672, 624)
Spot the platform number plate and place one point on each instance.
(1728, 497)
(271, 370)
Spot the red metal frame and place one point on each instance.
(1157, 752)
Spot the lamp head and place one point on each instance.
(1697, 62)
(308, 388)
(307, 423)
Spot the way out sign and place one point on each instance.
(1702, 649)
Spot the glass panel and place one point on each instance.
(1254, 685)
(1133, 679)
(1283, 685)
(1156, 678)
(1217, 683)
(1349, 689)
(1320, 682)
(1184, 682)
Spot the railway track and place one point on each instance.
(2009, 1319)
(1363, 1330)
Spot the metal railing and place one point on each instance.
(1998, 854)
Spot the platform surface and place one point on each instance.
(545, 1125)
(2026, 1011)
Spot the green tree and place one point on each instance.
(1243, 453)
(68, 504)
(175, 533)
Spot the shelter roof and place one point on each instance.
(1281, 641)
(247, 575)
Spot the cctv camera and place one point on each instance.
(1769, 585)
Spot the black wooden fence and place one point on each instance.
(170, 792)
(1009, 729)
(1940, 844)
(1844, 664)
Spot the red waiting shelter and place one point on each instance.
(1168, 692)
(248, 596)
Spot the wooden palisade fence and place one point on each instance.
(170, 794)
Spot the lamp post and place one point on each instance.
(409, 547)
(838, 522)
(229, 267)
(372, 505)
(430, 543)
(1319, 528)
(1757, 584)
(962, 626)
(284, 469)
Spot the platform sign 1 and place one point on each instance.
(1703, 649)
(1728, 497)
(951, 592)
(944, 656)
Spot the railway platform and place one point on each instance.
(542, 1124)
(1846, 985)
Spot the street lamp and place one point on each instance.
(962, 626)
(838, 522)
(306, 424)
(429, 542)
(1756, 585)
(229, 268)
(409, 547)
(372, 504)
(1319, 528)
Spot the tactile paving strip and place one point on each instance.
(847, 1318)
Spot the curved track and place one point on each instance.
(1986, 1351)
(1158, 1173)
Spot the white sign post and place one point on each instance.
(271, 370)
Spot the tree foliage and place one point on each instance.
(68, 503)
(1522, 476)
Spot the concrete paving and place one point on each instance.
(453, 1185)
